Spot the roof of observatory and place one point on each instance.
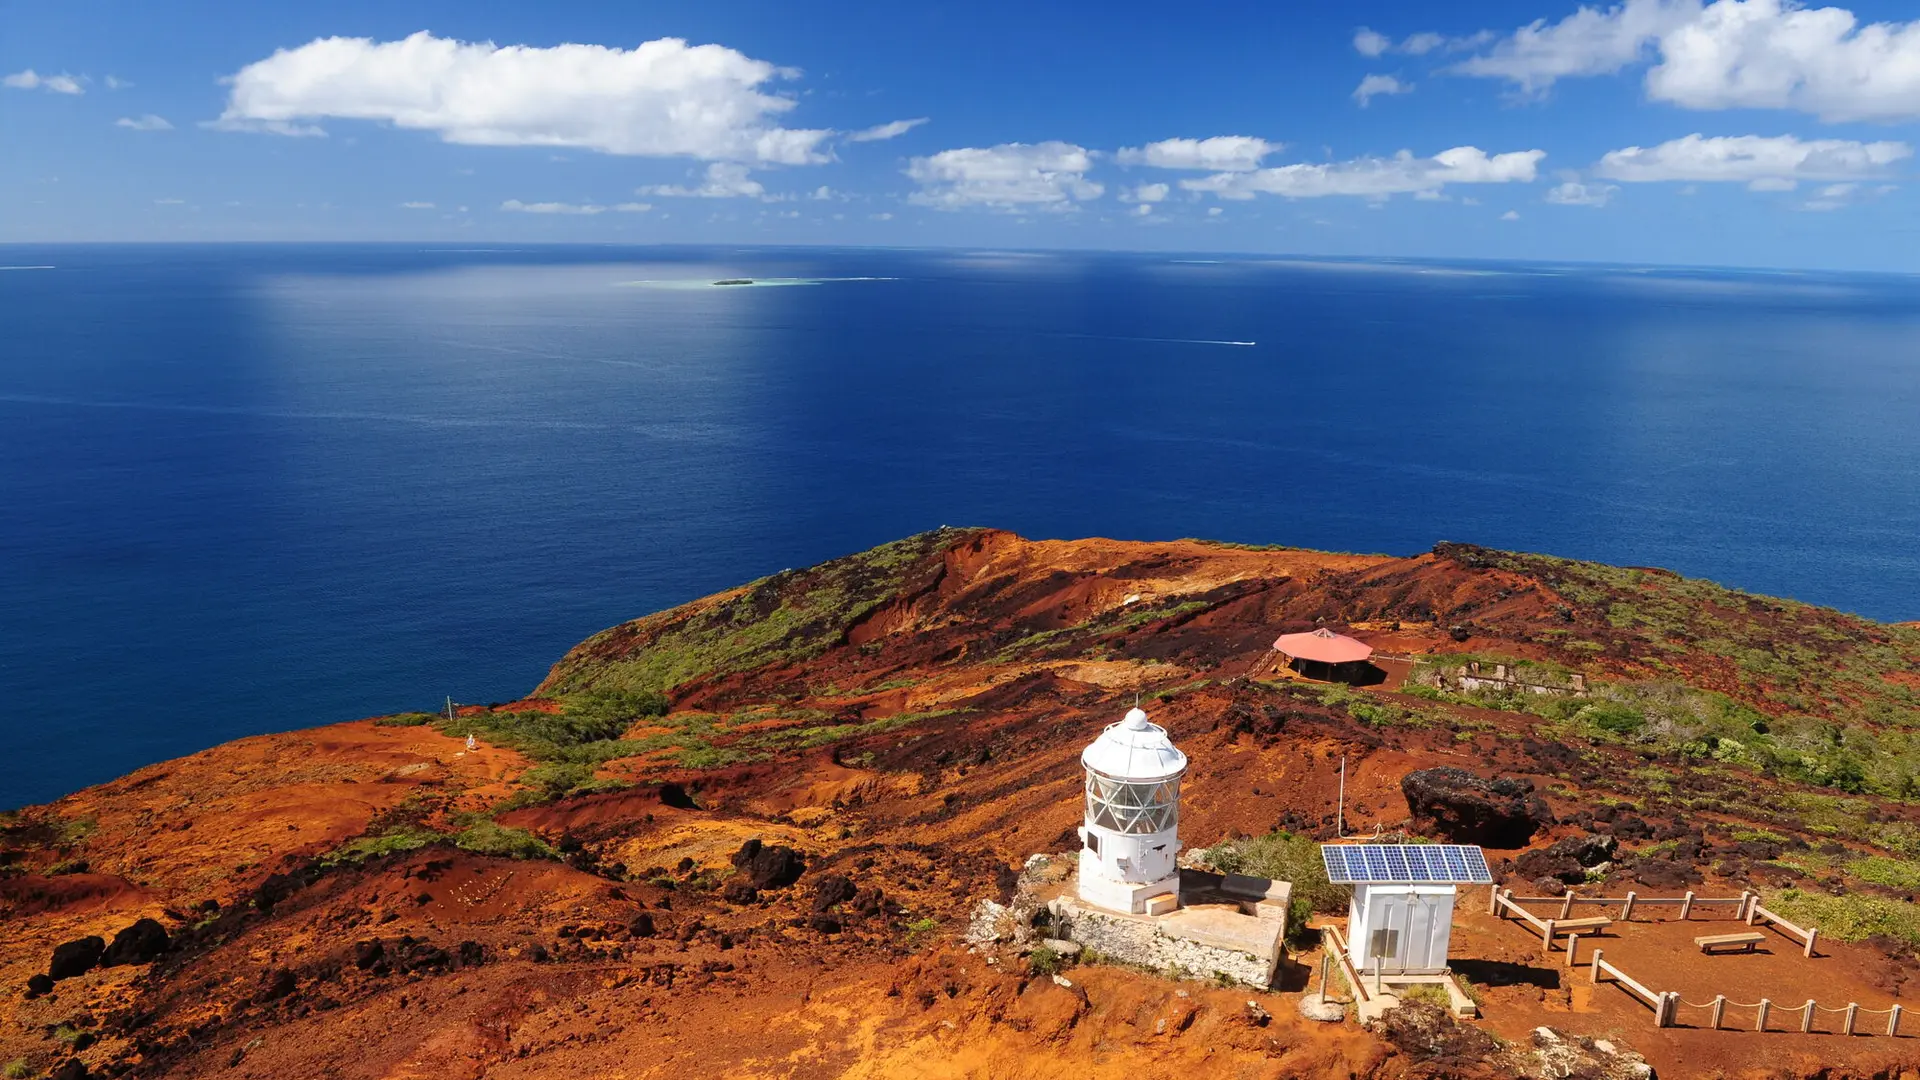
(1134, 749)
(1324, 646)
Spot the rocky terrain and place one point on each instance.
(741, 838)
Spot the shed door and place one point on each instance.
(1407, 932)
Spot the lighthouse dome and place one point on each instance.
(1136, 748)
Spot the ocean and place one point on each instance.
(252, 488)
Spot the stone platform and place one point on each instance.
(1227, 926)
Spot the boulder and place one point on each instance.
(1468, 809)
(833, 890)
(766, 867)
(38, 985)
(739, 891)
(70, 1069)
(137, 944)
(76, 957)
(275, 984)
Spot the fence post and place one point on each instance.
(1596, 979)
(1669, 1006)
(1806, 1017)
(1765, 1007)
(1753, 908)
(1686, 907)
(1846, 1025)
(1719, 1008)
(1893, 1021)
(1813, 932)
(1546, 936)
(1493, 901)
(1573, 944)
(1745, 895)
(1626, 911)
(1566, 903)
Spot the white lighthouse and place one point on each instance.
(1132, 830)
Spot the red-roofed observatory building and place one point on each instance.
(1329, 657)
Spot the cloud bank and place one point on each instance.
(1010, 177)
(33, 80)
(1729, 54)
(1775, 163)
(1221, 153)
(1376, 177)
(664, 98)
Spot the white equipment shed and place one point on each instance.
(1401, 917)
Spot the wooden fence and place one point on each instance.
(1808, 935)
(1335, 943)
(1663, 1003)
(1851, 1014)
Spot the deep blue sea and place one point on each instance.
(250, 488)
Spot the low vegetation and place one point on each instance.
(1850, 917)
(1284, 856)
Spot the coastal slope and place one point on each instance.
(742, 837)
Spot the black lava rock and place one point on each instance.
(739, 891)
(765, 867)
(833, 890)
(1469, 809)
(368, 955)
(275, 984)
(140, 943)
(70, 1069)
(641, 926)
(38, 985)
(76, 957)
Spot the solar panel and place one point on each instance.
(1377, 864)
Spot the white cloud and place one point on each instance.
(664, 98)
(1147, 193)
(1372, 43)
(1376, 177)
(145, 122)
(881, 132)
(1747, 54)
(822, 193)
(1772, 54)
(54, 84)
(881, 216)
(1143, 210)
(725, 180)
(416, 206)
(585, 209)
(1763, 163)
(1221, 153)
(1574, 193)
(1590, 41)
(1511, 215)
(1214, 211)
(1011, 176)
(1375, 85)
(114, 82)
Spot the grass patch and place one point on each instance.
(362, 848)
(405, 719)
(492, 838)
(1853, 917)
(1880, 870)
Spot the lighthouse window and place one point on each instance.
(1134, 809)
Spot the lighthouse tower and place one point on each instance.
(1132, 830)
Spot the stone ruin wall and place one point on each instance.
(1131, 941)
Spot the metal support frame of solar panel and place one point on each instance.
(1421, 864)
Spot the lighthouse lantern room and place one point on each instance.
(1132, 828)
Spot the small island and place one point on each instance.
(735, 281)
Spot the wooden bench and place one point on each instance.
(1595, 922)
(1743, 942)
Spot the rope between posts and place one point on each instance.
(1781, 1005)
(1841, 1009)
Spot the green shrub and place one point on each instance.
(362, 848)
(1282, 856)
(1896, 873)
(492, 838)
(1043, 961)
(405, 719)
(1614, 717)
(17, 1069)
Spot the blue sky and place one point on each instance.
(1740, 132)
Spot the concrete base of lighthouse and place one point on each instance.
(1132, 897)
